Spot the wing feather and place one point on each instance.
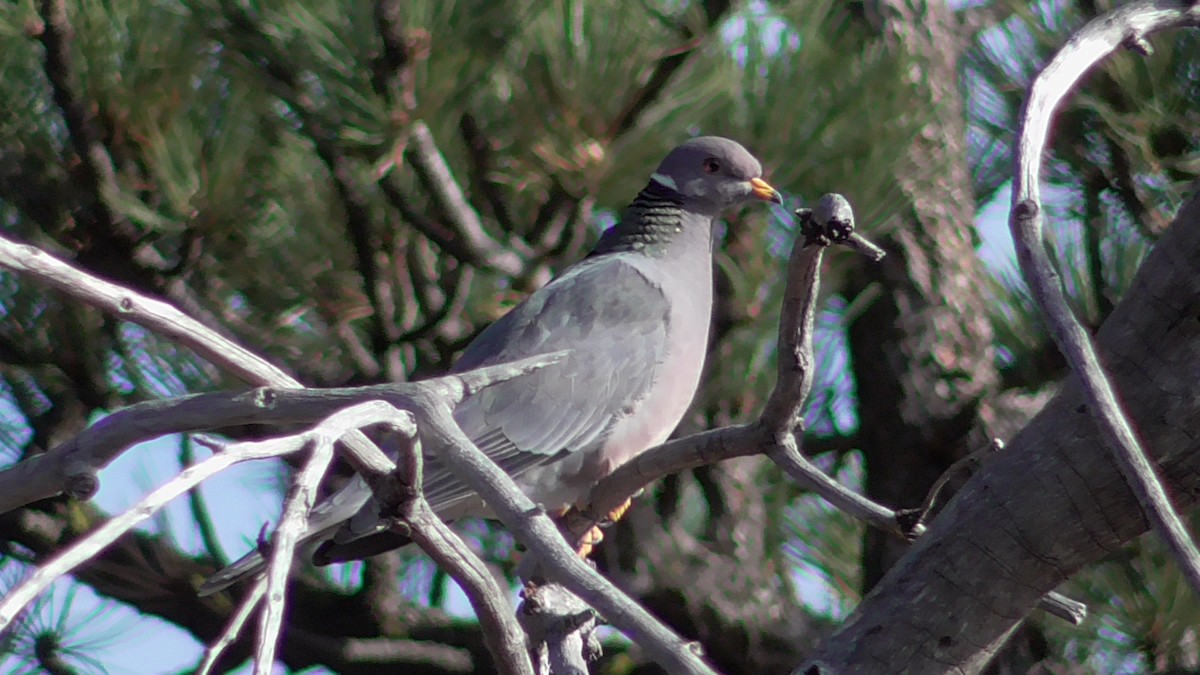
(614, 322)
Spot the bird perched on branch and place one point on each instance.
(634, 315)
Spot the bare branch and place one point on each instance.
(106, 534)
(236, 622)
(435, 175)
(504, 638)
(293, 524)
(1126, 27)
(794, 352)
(399, 490)
(50, 473)
(786, 454)
(919, 515)
(129, 305)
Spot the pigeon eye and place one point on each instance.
(711, 165)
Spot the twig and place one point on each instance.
(244, 609)
(292, 526)
(665, 69)
(480, 152)
(786, 455)
(83, 550)
(912, 521)
(1125, 27)
(433, 230)
(200, 513)
(917, 516)
(1056, 604)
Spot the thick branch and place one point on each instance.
(1053, 500)
(56, 471)
(532, 527)
(1128, 26)
(400, 490)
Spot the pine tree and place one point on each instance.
(279, 171)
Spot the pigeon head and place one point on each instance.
(713, 174)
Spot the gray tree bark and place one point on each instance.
(1053, 501)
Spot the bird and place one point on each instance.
(634, 317)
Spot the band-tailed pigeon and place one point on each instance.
(634, 314)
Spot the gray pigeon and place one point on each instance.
(634, 314)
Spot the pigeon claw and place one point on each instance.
(615, 515)
(584, 529)
(588, 541)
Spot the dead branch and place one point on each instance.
(1129, 27)
(1000, 543)
(774, 433)
(400, 492)
(93, 543)
(244, 609)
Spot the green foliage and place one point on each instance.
(1123, 158)
(264, 181)
(1123, 155)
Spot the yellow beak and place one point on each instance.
(762, 190)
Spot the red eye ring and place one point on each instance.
(711, 165)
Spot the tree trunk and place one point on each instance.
(1054, 499)
(922, 352)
